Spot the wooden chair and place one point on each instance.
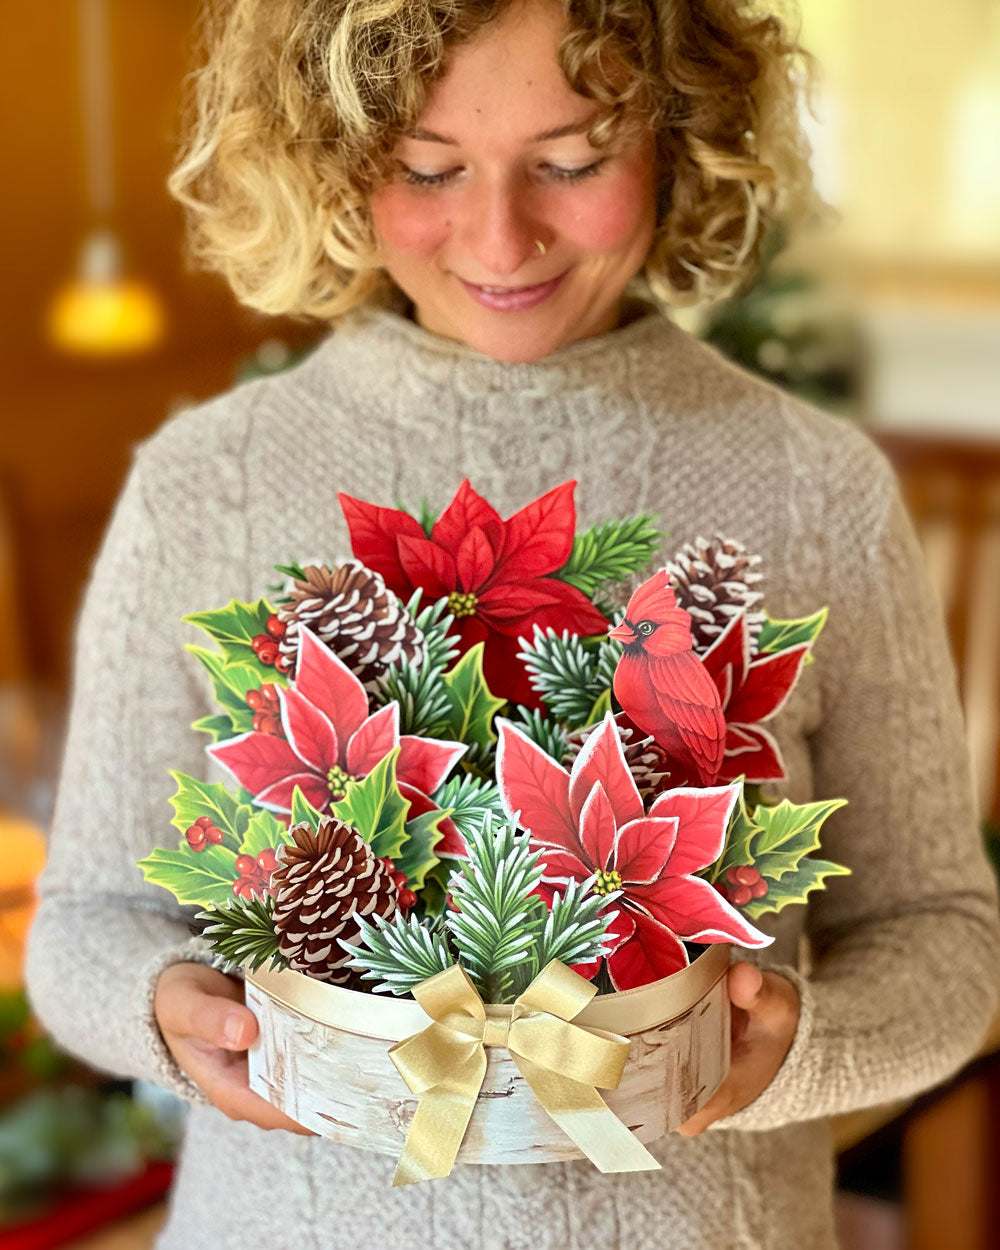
(951, 1138)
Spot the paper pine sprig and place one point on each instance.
(570, 676)
(545, 733)
(242, 933)
(573, 931)
(399, 953)
(470, 800)
(610, 552)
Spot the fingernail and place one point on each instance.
(232, 1030)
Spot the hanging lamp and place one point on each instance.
(99, 311)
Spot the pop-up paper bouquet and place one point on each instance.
(529, 819)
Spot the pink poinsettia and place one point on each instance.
(590, 825)
(751, 691)
(497, 575)
(330, 739)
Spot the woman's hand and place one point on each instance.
(207, 1029)
(765, 1016)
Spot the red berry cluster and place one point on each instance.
(741, 885)
(255, 874)
(266, 709)
(265, 646)
(203, 834)
(406, 896)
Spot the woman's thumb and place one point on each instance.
(745, 983)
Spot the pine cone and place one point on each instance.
(713, 582)
(647, 761)
(350, 610)
(324, 881)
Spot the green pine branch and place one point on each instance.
(569, 675)
(572, 931)
(471, 800)
(611, 551)
(434, 623)
(419, 689)
(398, 953)
(242, 933)
(495, 926)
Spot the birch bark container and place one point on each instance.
(321, 1057)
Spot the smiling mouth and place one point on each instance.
(507, 290)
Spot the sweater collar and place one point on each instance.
(386, 333)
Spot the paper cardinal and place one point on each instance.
(497, 575)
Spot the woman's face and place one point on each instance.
(499, 163)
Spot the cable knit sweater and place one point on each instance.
(903, 953)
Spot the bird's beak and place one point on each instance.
(623, 633)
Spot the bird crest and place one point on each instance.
(654, 602)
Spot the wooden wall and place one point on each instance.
(66, 425)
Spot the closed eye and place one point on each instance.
(556, 172)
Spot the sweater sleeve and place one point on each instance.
(101, 935)
(905, 951)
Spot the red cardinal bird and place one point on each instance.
(663, 686)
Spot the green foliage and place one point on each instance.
(472, 705)
(233, 629)
(498, 917)
(264, 832)
(417, 856)
(399, 953)
(242, 933)
(303, 811)
(424, 704)
(470, 800)
(218, 727)
(193, 877)
(778, 841)
(572, 931)
(543, 732)
(195, 798)
(434, 623)
(573, 675)
(609, 552)
(502, 933)
(376, 809)
(780, 635)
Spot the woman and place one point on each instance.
(490, 200)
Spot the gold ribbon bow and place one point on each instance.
(562, 1062)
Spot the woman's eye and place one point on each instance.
(416, 179)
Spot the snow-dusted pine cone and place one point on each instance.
(350, 610)
(715, 580)
(647, 762)
(323, 882)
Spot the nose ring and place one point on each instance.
(541, 246)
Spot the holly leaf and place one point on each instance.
(264, 832)
(220, 727)
(787, 832)
(417, 857)
(195, 798)
(602, 706)
(472, 705)
(234, 628)
(193, 877)
(376, 809)
(741, 832)
(794, 886)
(780, 635)
(232, 682)
(304, 812)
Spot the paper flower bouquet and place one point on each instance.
(528, 819)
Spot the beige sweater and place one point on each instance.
(905, 952)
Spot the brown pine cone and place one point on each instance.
(323, 882)
(350, 610)
(714, 580)
(646, 760)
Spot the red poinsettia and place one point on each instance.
(591, 826)
(496, 574)
(329, 740)
(751, 691)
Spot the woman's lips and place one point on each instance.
(513, 300)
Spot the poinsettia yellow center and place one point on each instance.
(460, 604)
(607, 882)
(336, 780)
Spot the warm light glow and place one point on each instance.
(106, 319)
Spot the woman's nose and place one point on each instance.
(499, 232)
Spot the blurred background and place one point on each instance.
(889, 316)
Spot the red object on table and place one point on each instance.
(83, 1211)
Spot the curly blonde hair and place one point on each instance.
(299, 103)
